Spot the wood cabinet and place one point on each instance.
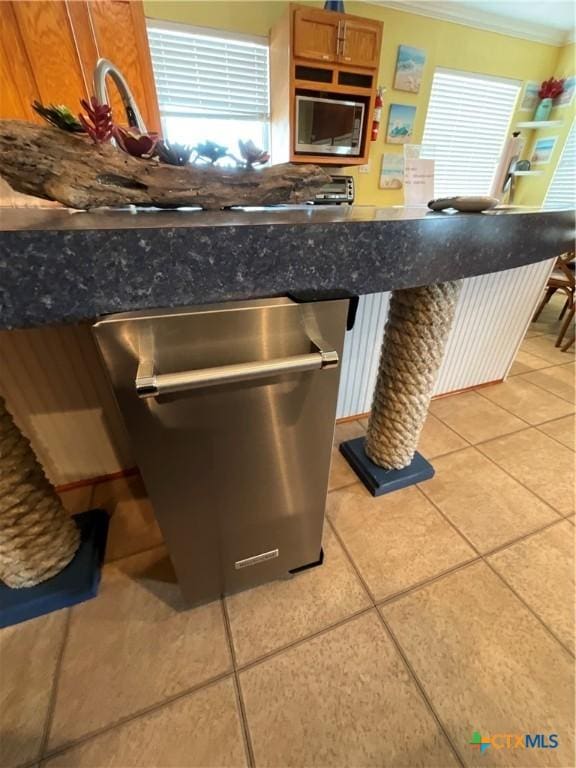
(316, 34)
(360, 42)
(330, 55)
(49, 49)
(336, 37)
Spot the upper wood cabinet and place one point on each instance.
(323, 54)
(316, 34)
(49, 49)
(360, 42)
(336, 37)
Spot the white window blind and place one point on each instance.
(562, 189)
(466, 126)
(201, 75)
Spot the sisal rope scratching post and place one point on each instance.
(418, 324)
(37, 537)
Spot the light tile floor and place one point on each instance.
(441, 610)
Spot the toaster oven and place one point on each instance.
(339, 190)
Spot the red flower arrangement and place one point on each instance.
(551, 88)
(98, 121)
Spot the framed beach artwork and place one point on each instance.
(567, 96)
(530, 96)
(543, 150)
(392, 171)
(409, 67)
(400, 124)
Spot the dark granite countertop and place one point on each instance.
(59, 266)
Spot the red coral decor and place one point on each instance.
(551, 88)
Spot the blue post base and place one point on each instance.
(380, 481)
(79, 581)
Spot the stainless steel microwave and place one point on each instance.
(328, 126)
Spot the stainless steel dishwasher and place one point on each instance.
(231, 411)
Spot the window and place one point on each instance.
(466, 126)
(210, 86)
(562, 189)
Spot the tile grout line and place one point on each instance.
(247, 738)
(528, 607)
(478, 446)
(546, 421)
(526, 488)
(55, 685)
(544, 367)
(420, 688)
(549, 391)
(408, 667)
(523, 537)
(481, 442)
(423, 584)
(553, 437)
(446, 519)
(299, 641)
(483, 557)
(350, 559)
(513, 432)
(67, 746)
(507, 544)
(407, 590)
(341, 487)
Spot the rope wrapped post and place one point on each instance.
(417, 329)
(37, 537)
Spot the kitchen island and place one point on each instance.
(60, 270)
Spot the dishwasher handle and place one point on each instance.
(151, 384)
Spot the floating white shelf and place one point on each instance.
(540, 124)
(527, 173)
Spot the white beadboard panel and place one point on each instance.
(361, 355)
(56, 389)
(58, 393)
(492, 316)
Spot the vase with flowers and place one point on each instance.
(549, 90)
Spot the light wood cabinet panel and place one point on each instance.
(336, 37)
(120, 33)
(83, 33)
(315, 34)
(19, 88)
(360, 43)
(49, 43)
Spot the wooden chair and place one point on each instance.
(561, 279)
(572, 338)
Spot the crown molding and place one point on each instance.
(472, 17)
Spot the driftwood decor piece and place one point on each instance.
(64, 167)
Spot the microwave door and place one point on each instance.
(328, 126)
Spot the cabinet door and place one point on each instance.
(47, 39)
(19, 87)
(360, 45)
(120, 32)
(316, 34)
